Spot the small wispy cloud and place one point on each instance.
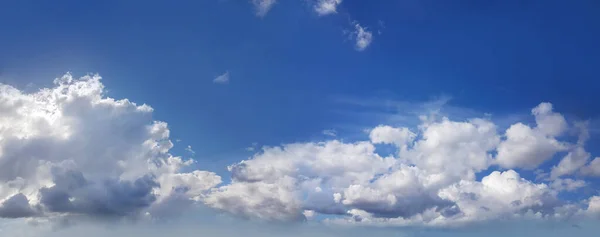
(362, 36)
(381, 25)
(253, 147)
(326, 7)
(189, 149)
(330, 132)
(222, 79)
(262, 7)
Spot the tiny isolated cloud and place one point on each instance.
(252, 147)
(330, 132)
(190, 150)
(326, 7)
(362, 37)
(262, 7)
(222, 79)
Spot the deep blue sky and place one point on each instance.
(289, 68)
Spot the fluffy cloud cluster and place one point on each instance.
(71, 151)
(326, 7)
(431, 179)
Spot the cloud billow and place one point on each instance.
(430, 180)
(70, 150)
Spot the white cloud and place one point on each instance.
(527, 147)
(300, 168)
(270, 201)
(403, 193)
(401, 137)
(594, 206)
(262, 7)
(70, 150)
(593, 168)
(309, 214)
(567, 184)
(572, 162)
(455, 150)
(190, 150)
(548, 122)
(330, 132)
(430, 181)
(253, 147)
(326, 7)
(222, 79)
(362, 36)
(500, 194)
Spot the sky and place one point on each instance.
(327, 117)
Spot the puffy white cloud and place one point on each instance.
(527, 147)
(326, 7)
(262, 7)
(430, 181)
(498, 195)
(548, 122)
(593, 168)
(403, 193)
(72, 150)
(270, 201)
(222, 79)
(454, 150)
(362, 36)
(594, 206)
(401, 137)
(297, 169)
(567, 184)
(333, 161)
(572, 162)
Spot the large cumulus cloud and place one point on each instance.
(70, 150)
(431, 179)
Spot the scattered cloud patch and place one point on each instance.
(567, 184)
(222, 79)
(262, 7)
(381, 25)
(253, 147)
(330, 132)
(571, 163)
(189, 149)
(362, 37)
(593, 168)
(326, 7)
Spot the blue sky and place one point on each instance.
(294, 71)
